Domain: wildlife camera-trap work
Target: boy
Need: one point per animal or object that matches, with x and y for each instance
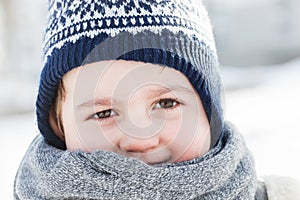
(129, 107)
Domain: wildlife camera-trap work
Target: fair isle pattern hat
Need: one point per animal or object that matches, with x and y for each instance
(172, 33)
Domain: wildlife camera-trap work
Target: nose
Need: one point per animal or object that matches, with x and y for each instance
(138, 145)
(140, 133)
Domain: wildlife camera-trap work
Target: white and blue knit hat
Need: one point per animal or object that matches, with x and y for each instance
(172, 33)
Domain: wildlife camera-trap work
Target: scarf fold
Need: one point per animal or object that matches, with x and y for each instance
(225, 172)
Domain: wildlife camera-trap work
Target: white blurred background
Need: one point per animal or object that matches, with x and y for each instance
(258, 43)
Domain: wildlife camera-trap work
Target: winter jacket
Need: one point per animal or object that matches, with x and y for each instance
(278, 188)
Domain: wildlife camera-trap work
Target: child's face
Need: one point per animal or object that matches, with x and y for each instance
(135, 109)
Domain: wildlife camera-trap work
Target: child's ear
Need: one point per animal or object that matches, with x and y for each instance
(54, 125)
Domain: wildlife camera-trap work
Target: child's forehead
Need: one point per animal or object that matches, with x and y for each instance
(119, 79)
(126, 72)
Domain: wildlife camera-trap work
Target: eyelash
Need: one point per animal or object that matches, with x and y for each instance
(176, 101)
(95, 116)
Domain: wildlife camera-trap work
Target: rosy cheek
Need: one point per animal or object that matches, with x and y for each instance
(186, 138)
(172, 129)
(91, 135)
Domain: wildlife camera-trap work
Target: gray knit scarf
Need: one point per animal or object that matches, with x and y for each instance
(225, 172)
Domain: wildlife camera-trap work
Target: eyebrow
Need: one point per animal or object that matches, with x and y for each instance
(106, 101)
(170, 88)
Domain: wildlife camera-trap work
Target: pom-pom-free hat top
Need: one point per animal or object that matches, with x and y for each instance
(172, 33)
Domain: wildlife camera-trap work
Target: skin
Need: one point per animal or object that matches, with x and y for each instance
(139, 110)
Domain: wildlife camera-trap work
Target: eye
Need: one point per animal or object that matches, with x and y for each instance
(166, 103)
(104, 114)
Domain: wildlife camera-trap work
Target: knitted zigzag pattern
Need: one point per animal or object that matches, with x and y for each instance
(69, 20)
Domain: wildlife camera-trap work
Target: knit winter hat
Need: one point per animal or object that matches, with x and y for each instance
(172, 33)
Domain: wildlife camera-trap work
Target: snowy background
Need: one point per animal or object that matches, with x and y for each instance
(259, 47)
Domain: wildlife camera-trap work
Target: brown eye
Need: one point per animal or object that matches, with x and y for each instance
(166, 103)
(104, 114)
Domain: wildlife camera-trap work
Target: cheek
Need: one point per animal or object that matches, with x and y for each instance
(91, 136)
(87, 135)
(95, 137)
(187, 137)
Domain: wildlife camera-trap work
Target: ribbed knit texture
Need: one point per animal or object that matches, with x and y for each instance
(173, 33)
(226, 172)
